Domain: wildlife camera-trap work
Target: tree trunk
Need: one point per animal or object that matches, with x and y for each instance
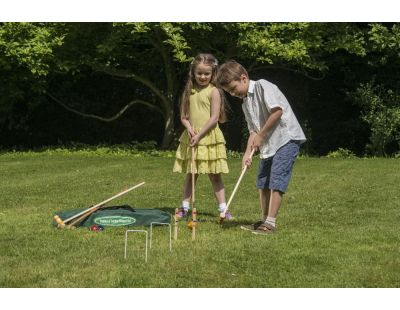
(168, 136)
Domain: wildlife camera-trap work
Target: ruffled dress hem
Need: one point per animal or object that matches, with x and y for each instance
(210, 154)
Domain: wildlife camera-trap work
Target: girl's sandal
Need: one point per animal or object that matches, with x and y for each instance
(264, 229)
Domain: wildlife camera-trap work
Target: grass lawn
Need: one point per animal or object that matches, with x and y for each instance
(338, 226)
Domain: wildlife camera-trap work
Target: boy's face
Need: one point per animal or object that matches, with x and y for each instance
(238, 88)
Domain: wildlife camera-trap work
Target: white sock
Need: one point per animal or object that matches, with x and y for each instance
(185, 205)
(271, 221)
(222, 207)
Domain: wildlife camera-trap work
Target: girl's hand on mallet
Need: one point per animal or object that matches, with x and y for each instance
(194, 140)
(191, 132)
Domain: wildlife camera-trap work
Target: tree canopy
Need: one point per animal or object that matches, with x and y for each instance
(119, 82)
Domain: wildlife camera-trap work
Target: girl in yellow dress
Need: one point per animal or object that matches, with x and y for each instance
(202, 106)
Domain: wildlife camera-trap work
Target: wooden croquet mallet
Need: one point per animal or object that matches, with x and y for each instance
(244, 169)
(100, 205)
(87, 212)
(194, 223)
(82, 217)
(194, 211)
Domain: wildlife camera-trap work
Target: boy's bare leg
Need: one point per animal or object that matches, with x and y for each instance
(275, 204)
(267, 210)
(264, 203)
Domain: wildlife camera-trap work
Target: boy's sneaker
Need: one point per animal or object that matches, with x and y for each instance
(182, 212)
(252, 227)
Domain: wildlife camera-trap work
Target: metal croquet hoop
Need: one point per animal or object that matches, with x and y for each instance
(151, 237)
(170, 233)
(136, 231)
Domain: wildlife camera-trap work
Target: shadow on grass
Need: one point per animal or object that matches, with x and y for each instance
(235, 224)
(206, 217)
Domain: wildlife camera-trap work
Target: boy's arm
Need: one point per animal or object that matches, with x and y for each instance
(250, 142)
(246, 160)
(273, 118)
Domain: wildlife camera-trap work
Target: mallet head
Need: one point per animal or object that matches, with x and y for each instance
(191, 224)
(58, 220)
(221, 217)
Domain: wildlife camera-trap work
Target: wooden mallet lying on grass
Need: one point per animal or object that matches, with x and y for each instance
(86, 213)
(244, 169)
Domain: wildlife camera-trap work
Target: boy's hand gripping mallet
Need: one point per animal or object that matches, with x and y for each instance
(222, 214)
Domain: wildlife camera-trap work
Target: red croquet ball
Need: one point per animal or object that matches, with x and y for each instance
(94, 228)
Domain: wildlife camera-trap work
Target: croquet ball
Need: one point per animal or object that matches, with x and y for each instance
(100, 228)
(94, 228)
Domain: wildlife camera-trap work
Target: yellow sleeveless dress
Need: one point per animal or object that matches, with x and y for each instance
(210, 153)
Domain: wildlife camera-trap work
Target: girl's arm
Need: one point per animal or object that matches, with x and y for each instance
(185, 122)
(213, 120)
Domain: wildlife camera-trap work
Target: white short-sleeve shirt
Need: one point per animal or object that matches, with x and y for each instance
(262, 97)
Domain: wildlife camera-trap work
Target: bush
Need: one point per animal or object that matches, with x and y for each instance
(381, 111)
(136, 149)
(341, 153)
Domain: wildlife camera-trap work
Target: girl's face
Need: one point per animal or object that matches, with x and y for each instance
(203, 75)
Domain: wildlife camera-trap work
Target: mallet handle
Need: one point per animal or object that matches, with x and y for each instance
(193, 178)
(104, 202)
(237, 184)
(194, 223)
(194, 211)
(83, 216)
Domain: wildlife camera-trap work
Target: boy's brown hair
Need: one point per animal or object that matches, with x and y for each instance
(228, 72)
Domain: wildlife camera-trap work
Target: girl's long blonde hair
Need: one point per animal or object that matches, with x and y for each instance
(210, 60)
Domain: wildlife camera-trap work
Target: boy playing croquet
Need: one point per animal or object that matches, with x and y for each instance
(274, 131)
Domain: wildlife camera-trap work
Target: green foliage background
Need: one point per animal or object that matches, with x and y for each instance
(120, 82)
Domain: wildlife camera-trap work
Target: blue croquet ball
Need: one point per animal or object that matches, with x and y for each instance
(100, 227)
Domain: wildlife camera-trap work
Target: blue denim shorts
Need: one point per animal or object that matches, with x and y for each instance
(275, 172)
